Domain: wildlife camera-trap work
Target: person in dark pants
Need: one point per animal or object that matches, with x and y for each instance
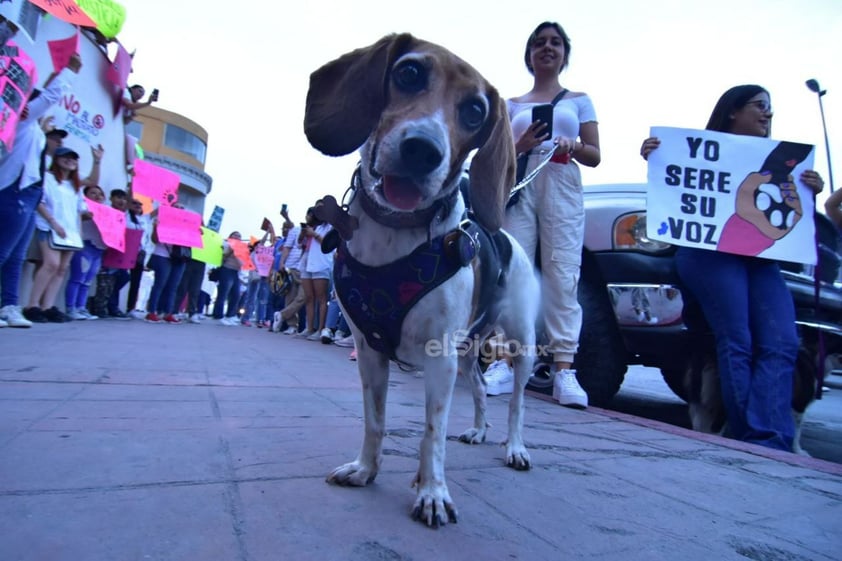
(190, 286)
(229, 285)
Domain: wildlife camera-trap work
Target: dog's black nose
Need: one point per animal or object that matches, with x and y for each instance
(420, 153)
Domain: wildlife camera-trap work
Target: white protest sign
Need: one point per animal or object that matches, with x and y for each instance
(732, 193)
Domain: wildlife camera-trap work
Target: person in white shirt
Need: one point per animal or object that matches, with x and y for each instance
(315, 275)
(59, 220)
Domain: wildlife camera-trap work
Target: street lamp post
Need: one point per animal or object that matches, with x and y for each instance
(813, 85)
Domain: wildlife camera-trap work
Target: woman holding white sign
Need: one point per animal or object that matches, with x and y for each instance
(745, 300)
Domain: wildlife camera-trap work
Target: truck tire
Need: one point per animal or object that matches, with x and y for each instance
(675, 379)
(601, 360)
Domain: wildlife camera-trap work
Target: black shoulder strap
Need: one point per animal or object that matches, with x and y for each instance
(560, 95)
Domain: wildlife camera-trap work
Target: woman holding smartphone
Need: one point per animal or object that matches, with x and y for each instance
(549, 213)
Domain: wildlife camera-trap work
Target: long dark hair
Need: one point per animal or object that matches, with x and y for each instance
(564, 39)
(732, 100)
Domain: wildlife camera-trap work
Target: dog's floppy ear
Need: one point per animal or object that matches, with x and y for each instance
(347, 96)
(493, 166)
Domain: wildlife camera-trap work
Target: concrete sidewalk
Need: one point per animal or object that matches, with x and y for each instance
(124, 441)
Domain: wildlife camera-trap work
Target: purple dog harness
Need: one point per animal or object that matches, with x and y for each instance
(377, 299)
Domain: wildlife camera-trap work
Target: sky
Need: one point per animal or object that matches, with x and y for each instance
(242, 73)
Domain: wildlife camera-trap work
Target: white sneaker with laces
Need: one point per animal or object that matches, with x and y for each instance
(344, 342)
(326, 336)
(290, 331)
(195, 318)
(499, 378)
(88, 315)
(13, 316)
(137, 314)
(314, 336)
(567, 391)
(75, 314)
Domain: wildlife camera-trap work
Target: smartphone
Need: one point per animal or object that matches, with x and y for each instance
(283, 209)
(265, 225)
(544, 113)
(154, 95)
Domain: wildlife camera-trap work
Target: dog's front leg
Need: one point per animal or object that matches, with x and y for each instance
(374, 375)
(517, 456)
(433, 504)
(469, 367)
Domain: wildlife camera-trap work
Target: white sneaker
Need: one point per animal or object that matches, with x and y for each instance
(137, 314)
(290, 331)
(306, 333)
(499, 378)
(326, 336)
(567, 391)
(195, 318)
(314, 336)
(88, 315)
(344, 342)
(339, 335)
(13, 316)
(76, 314)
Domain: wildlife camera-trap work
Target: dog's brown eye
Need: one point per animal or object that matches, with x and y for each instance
(410, 76)
(472, 113)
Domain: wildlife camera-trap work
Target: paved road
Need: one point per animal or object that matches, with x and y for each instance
(645, 394)
(126, 441)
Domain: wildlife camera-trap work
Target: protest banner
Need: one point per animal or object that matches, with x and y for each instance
(16, 82)
(178, 226)
(62, 49)
(111, 224)
(263, 258)
(733, 193)
(114, 259)
(211, 250)
(241, 250)
(155, 182)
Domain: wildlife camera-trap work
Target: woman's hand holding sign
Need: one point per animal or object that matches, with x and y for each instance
(773, 209)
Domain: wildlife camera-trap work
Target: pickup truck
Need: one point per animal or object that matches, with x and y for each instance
(633, 309)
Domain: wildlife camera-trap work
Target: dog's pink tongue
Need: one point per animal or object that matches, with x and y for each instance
(401, 192)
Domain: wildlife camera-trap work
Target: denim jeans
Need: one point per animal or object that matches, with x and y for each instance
(335, 317)
(84, 266)
(228, 290)
(257, 296)
(167, 276)
(752, 316)
(17, 223)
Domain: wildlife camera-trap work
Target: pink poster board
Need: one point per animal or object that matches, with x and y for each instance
(114, 259)
(16, 83)
(155, 182)
(62, 49)
(179, 227)
(241, 250)
(118, 72)
(263, 258)
(111, 224)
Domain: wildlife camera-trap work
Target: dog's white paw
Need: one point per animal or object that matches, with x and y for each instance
(433, 505)
(473, 436)
(353, 474)
(517, 457)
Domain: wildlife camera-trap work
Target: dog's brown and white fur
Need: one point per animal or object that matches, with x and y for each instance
(415, 111)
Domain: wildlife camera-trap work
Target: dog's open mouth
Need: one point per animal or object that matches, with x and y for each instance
(401, 192)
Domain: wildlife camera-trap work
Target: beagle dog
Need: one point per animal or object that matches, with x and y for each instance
(419, 284)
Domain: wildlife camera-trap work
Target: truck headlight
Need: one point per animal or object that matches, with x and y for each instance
(630, 234)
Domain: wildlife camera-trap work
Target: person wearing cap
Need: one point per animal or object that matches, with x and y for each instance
(59, 220)
(55, 138)
(21, 188)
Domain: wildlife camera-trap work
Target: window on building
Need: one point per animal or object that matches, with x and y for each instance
(135, 128)
(184, 141)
